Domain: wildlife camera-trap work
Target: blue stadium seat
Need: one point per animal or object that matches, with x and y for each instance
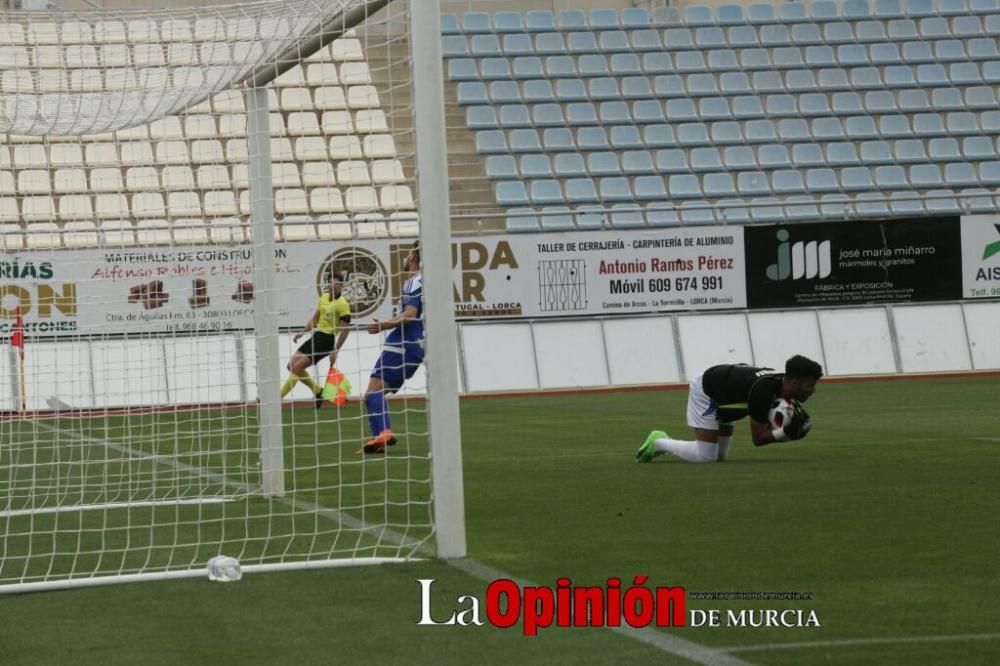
(518, 45)
(719, 185)
(947, 99)
(581, 190)
(511, 193)
(960, 174)
(637, 163)
(866, 78)
(806, 34)
(885, 54)
(837, 33)
(792, 12)
(515, 115)
(528, 67)
(535, 166)
(967, 27)
(672, 160)
(963, 122)
(472, 92)
(505, 92)
(977, 200)
(491, 141)
(558, 139)
(705, 159)
(560, 66)
(572, 19)
(501, 167)
(662, 214)
(725, 133)
(592, 138)
(571, 90)
(505, 22)
(753, 183)
(928, 124)
(983, 48)
(989, 173)
(856, 179)
(906, 203)
(476, 22)
(537, 91)
(910, 151)
(668, 85)
(616, 188)
(827, 129)
(729, 14)
(710, 38)
(659, 136)
(842, 153)
(943, 149)
(449, 24)
(781, 105)
(650, 188)
(689, 61)
(581, 113)
(481, 117)
(547, 191)
(590, 217)
(914, 101)
(980, 97)
(773, 156)
(697, 212)
(742, 36)
(808, 154)
(890, 178)
(569, 165)
(462, 69)
(925, 176)
(625, 64)
(539, 21)
(681, 110)
(950, 50)
(635, 18)
(684, 186)
(556, 218)
(657, 63)
(760, 13)
(822, 180)
(768, 82)
(852, 55)
(820, 56)
(934, 28)
(833, 206)
(760, 131)
(645, 40)
(732, 210)
(484, 45)
(754, 59)
(774, 35)
(454, 45)
(794, 129)
(846, 103)
(978, 148)
(801, 208)
(524, 141)
(547, 115)
(881, 101)
(626, 137)
(603, 88)
(900, 29)
(818, 104)
(800, 81)
(550, 43)
(692, 134)
(734, 83)
(876, 152)
(579, 43)
(739, 157)
(636, 87)
(648, 111)
(888, 9)
(613, 41)
(699, 85)
(522, 220)
(990, 121)
(931, 75)
(603, 164)
(871, 204)
(859, 128)
(712, 108)
(698, 15)
(593, 65)
(788, 181)
(747, 106)
(677, 38)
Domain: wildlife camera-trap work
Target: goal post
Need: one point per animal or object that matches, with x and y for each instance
(178, 188)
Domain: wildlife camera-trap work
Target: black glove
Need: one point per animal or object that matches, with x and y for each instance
(799, 425)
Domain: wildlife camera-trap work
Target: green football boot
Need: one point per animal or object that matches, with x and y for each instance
(647, 451)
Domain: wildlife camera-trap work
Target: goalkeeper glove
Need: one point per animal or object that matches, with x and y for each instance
(797, 427)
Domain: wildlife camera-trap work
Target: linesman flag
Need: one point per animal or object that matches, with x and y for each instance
(17, 336)
(337, 387)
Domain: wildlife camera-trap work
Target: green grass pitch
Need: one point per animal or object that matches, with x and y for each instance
(886, 514)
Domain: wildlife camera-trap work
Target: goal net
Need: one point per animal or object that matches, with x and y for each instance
(177, 189)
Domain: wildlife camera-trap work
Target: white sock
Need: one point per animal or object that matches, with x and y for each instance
(690, 451)
(723, 447)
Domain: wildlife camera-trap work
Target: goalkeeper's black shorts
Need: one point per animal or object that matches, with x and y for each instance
(319, 346)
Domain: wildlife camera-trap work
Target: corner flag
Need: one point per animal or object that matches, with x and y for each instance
(337, 386)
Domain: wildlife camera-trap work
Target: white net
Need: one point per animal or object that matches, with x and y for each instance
(131, 430)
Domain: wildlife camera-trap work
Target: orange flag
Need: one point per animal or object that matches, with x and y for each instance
(337, 386)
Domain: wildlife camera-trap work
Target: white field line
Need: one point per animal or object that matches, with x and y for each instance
(847, 642)
(657, 639)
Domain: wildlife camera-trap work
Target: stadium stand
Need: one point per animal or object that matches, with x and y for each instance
(752, 113)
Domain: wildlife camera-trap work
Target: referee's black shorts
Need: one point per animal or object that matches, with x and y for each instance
(319, 346)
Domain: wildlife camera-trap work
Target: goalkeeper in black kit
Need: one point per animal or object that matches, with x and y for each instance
(724, 394)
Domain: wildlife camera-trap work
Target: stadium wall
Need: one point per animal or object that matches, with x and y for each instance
(534, 354)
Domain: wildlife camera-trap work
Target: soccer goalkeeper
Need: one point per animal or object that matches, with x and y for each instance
(332, 311)
(724, 394)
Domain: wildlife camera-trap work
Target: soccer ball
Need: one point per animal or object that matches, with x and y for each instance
(781, 412)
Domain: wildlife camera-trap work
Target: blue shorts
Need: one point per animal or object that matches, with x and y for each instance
(394, 368)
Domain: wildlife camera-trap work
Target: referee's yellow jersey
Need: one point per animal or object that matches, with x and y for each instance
(331, 311)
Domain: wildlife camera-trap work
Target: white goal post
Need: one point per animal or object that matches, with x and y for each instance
(177, 189)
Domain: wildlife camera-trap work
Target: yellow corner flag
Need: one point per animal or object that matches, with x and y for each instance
(337, 386)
